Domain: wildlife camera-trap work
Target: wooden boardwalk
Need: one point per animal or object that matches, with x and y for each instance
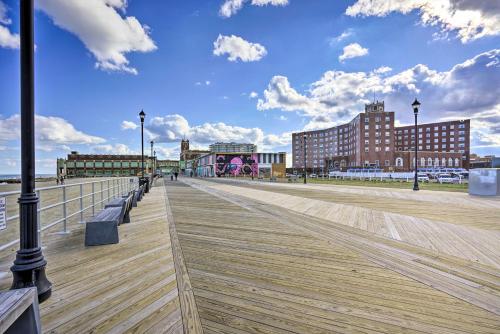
(260, 268)
(468, 229)
(127, 287)
(212, 257)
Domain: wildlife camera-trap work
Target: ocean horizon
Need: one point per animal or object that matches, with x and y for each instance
(18, 176)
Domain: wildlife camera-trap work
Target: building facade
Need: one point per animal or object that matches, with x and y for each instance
(232, 148)
(372, 140)
(167, 166)
(95, 165)
(240, 164)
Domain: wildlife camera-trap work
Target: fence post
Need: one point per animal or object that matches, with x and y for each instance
(102, 194)
(64, 209)
(93, 198)
(107, 199)
(81, 203)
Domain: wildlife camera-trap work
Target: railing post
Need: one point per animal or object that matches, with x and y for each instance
(64, 209)
(93, 198)
(102, 194)
(81, 203)
(107, 199)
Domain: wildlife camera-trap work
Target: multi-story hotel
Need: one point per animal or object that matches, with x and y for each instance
(372, 140)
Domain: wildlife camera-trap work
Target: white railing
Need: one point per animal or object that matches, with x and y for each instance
(75, 201)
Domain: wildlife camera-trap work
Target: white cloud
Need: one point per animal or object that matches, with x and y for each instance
(207, 82)
(283, 118)
(383, 70)
(128, 125)
(253, 95)
(344, 35)
(353, 50)
(102, 27)
(173, 128)
(231, 7)
(468, 90)
(471, 19)
(8, 39)
(113, 149)
(236, 47)
(168, 153)
(50, 132)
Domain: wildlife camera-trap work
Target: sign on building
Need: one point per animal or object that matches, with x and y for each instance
(3, 213)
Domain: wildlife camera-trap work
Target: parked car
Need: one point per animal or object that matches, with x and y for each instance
(423, 177)
(313, 176)
(446, 178)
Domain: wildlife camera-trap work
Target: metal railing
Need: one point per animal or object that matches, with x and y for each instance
(75, 200)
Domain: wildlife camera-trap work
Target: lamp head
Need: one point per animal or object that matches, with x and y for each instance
(142, 115)
(415, 106)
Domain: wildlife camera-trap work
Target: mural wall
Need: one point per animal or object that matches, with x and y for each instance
(236, 164)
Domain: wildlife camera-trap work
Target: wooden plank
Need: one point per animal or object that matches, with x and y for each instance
(190, 317)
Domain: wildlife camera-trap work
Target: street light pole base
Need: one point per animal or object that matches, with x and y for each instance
(29, 270)
(415, 187)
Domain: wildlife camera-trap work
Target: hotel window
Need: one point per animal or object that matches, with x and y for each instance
(420, 141)
(377, 163)
(427, 135)
(452, 145)
(452, 127)
(367, 149)
(419, 135)
(387, 126)
(443, 127)
(387, 141)
(436, 140)
(427, 129)
(377, 149)
(461, 139)
(387, 118)
(420, 147)
(443, 134)
(461, 126)
(387, 148)
(452, 133)
(377, 119)
(428, 147)
(436, 128)
(461, 133)
(367, 142)
(443, 146)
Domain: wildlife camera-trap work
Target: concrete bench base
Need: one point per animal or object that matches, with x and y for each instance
(19, 312)
(101, 233)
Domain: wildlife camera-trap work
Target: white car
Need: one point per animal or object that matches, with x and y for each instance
(313, 176)
(445, 178)
(422, 177)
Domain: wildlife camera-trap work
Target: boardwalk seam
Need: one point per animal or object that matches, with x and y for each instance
(190, 317)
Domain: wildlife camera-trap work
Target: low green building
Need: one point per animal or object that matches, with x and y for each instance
(97, 165)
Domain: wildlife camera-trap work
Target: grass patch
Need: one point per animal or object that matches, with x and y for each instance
(393, 184)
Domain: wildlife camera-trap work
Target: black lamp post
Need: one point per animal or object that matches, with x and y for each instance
(305, 159)
(29, 266)
(253, 162)
(142, 115)
(415, 106)
(152, 163)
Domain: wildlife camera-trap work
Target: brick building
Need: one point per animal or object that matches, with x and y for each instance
(372, 140)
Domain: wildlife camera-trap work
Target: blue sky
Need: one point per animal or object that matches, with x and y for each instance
(244, 70)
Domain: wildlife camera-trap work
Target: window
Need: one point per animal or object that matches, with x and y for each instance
(387, 148)
(443, 162)
(429, 162)
(443, 127)
(461, 126)
(367, 149)
(387, 118)
(422, 162)
(436, 162)
(387, 163)
(428, 147)
(399, 162)
(457, 162)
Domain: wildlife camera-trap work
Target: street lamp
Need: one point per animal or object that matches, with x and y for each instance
(305, 165)
(152, 143)
(253, 161)
(29, 266)
(415, 106)
(142, 115)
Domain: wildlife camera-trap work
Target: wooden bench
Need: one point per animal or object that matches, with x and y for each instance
(125, 203)
(102, 229)
(19, 312)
